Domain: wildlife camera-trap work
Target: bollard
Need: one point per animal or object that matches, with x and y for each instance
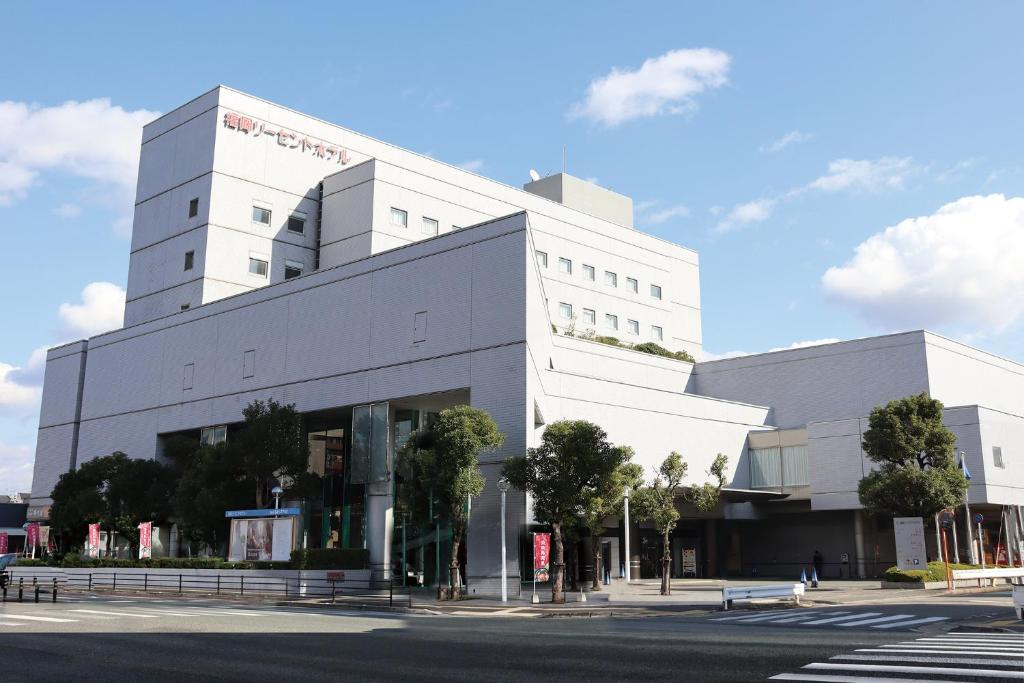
(179, 584)
(54, 594)
(37, 594)
(241, 585)
(218, 584)
(21, 589)
(90, 581)
(115, 582)
(145, 582)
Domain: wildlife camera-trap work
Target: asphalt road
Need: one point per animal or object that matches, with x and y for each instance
(114, 639)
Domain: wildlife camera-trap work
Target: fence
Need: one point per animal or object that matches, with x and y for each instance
(340, 590)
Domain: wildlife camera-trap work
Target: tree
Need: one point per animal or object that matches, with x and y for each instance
(917, 474)
(273, 445)
(657, 503)
(446, 459)
(573, 464)
(212, 480)
(605, 502)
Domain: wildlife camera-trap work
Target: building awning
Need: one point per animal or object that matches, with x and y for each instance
(730, 495)
(12, 530)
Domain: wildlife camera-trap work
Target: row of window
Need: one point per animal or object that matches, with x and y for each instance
(262, 215)
(428, 226)
(611, 321)
(260, 267)
(590, 274)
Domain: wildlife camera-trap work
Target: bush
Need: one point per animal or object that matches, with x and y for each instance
(75, 562)
(936, 572)
(331, 558)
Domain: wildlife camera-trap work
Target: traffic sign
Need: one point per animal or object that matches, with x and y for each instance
(947, 519)
(979, 518)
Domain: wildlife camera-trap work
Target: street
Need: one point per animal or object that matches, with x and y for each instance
(112, 638)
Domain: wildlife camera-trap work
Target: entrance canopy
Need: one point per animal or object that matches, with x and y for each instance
(731, 495)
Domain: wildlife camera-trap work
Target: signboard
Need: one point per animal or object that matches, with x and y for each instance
(145, 540)
(262, 539)
(44, 536)
(910, 548)
(283, 512)
(286, 138)
(3, 543)
(947, 519)
(94, 540)
(32, 535)
(542, 557)
(335, 576)
(689, 561)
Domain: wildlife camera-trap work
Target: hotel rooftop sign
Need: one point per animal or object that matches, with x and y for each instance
(286, 138)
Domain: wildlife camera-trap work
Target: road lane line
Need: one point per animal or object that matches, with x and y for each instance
(10, 623)
(825, 678)
(934, 671)
(53, 620)
(965, 646)
(114, 614)
(930, 659)
(877, 620)
(912, 622)
(759, 615)
(944, 651)
(835, 619)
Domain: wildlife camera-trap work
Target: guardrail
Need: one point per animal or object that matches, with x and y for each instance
(336, 588)
(35, 587)
(789, 590)
(982, 574)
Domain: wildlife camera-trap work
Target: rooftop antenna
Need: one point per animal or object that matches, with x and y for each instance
(534, 176)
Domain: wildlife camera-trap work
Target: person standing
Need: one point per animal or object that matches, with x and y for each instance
(819, 562)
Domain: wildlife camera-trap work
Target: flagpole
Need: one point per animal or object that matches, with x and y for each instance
(967, 509)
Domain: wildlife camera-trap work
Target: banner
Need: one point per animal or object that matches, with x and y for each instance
(145, 540)
(542, 557)
(3, 543)
(44, 537)
(689, 562)
(910, 548)
(94, 540)
(32, 535)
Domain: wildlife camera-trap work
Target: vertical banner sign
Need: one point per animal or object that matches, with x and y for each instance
(33, 535)
(44, 537)
(145, 540)
(3, 543)
(910, 548)
(94, 540)
(542, 557)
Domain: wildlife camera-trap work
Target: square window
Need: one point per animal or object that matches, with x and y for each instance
(211, 436)
(565, 310)
(260, 215)
(257, 266)
(656, 333)
(185, 307)
(611, 279)
(429, 226)
(292, 269)
(193, 207)
(399, 217)
(632, 285)
(589, 316)
(542, 259)
(997, 457)
(565, 266)
(190, 258)
(296, 224)
(633, 327)
(611, 321)
(588, 272)
(656, 291)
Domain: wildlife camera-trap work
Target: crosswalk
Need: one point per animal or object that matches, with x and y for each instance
(833, 619)
(959, 656)
(111, 610)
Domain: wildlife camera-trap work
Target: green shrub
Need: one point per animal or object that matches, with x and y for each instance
(29, 562)
(659, 350)
(936, 572)
(610, 341)
(331, 558)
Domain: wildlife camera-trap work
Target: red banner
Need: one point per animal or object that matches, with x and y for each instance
(3, 543)
(541, 557)
(145, 540)
(32, 533)
(94, 540)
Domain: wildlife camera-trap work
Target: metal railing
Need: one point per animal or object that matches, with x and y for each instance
(35, 587)
(366, 592)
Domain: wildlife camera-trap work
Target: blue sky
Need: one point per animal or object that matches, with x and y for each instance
(843, 169)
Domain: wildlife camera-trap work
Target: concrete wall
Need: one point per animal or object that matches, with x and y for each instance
(57, 439)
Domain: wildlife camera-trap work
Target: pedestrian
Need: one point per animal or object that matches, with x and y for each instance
(819, 562)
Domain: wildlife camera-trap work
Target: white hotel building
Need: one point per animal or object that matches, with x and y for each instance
(275, 255)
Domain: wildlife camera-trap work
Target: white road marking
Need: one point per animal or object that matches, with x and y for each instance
(877, 620)
(53, 620)
(10, 623)
(930, 659)
(851, 616)
(944, 651)
(965, 646)
(943, 671)
(912, 622)
(825, 678)
(759, 615)
(115, 614)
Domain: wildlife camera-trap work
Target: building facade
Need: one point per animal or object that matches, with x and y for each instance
(275, 255)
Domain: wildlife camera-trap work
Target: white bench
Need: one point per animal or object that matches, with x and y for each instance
(788, 590)
(1018, 601)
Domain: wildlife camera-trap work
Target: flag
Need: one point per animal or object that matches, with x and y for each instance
(963, 467)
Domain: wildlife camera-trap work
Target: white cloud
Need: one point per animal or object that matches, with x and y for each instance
(101, 310)
(960, 267)
(743, 214)
(16, 468)
(667, 214)
(791, 138)
(15, 395)
(871, 176)
(95, 140)
(68, 211)
(473, 165)
(804, 344)
(662, 85)
(706, 356)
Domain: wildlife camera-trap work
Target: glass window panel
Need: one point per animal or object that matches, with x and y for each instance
(565, 266)
(379, 463)
(260, 215)
(589, 316)
(296, 224)
(632, 285)
(795, 469)
(542, 259)
(257, 267)
(611, 321)
(765, 467)
(633, 326)
(656, 291)
(588, 272)
(429, 226)
(399, 217)
(565, 310)
(359, 472)
(656, 333)
(611, 279)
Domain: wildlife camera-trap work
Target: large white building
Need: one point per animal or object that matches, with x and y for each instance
(275, 255)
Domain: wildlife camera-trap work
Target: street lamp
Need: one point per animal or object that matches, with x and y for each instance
(625, 500)
(503, 486)
(276, 492)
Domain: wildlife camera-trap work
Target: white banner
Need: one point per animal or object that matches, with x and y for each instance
(910, 548)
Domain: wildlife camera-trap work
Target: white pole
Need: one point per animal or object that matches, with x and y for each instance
(626, 522)
(970, 535)
(956, 544)
(981, 550)
(504, 571)
(938, 538)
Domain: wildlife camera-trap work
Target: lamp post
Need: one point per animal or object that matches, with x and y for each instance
(625, 500)
(276, 492)
(503, 487)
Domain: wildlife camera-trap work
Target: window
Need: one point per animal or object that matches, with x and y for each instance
(775, 467)
(997, 457)
(211, 436)
(399, 218)
(633, 327)
(589, 316)
(260, 215)
(185, 307)
(611, 279)
(565, 310)
(292, 269)
(429, 226)
(611, 321)
(248, 363)
(588, 272)
(190, 258)
(656, 291)
(297, 223)
(257, 267)
(419, 327)
(193, 207)
(189, 375)
(656, 333)
(565, 266)
(632, 285)
(542, 259)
